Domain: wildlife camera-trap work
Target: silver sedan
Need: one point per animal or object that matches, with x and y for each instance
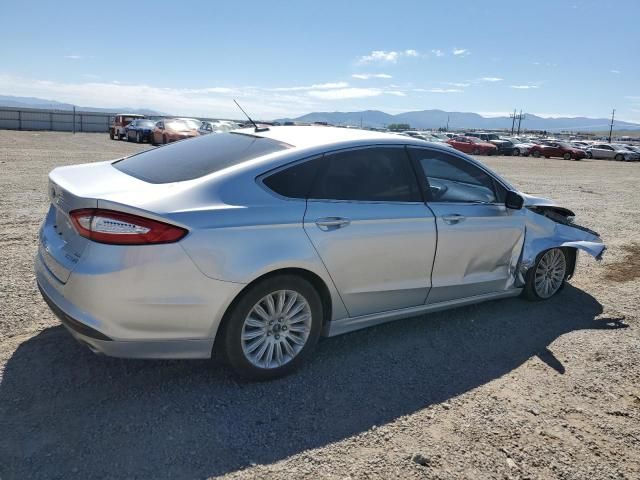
(255, 243)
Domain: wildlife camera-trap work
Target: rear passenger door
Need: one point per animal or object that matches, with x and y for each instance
(368, 222)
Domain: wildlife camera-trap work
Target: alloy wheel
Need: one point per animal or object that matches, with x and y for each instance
(550, 273)
(276, 329)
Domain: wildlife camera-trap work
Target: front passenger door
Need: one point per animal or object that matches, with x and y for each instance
(479, 239)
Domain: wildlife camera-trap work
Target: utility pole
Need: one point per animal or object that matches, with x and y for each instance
(613, 114)
(447, 123)
(513, 121)
(520, 118)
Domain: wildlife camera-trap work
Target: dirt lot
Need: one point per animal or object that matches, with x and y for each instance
(506, 389)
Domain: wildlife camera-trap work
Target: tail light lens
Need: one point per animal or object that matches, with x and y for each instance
(118, 228)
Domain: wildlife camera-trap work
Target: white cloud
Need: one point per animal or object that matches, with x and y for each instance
(458, 84)
(437, 53)
(367, 76)
(461, 52)
(320, 86)
(382, 56)
(396, 93)
(444, 90)
(345, 93)
(523, 87)
(74, 57)
(616, 71)
(491, 79)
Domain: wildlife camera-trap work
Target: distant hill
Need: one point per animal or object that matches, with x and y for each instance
(431, 119)
(33, 102)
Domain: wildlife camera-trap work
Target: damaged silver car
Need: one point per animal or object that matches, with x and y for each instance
(256, 242)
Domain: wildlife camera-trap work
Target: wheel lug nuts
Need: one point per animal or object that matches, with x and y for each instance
(277, 337)
(284, 327)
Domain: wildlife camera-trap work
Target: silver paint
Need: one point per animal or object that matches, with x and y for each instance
(378, 261)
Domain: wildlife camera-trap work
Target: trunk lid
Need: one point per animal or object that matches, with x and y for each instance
(97, 185)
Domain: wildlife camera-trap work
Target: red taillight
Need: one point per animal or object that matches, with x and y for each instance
(118, 228)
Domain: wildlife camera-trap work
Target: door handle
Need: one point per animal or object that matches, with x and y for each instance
(331, 223)
(453, 219)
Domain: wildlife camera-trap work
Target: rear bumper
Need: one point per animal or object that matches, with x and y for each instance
(78, 324)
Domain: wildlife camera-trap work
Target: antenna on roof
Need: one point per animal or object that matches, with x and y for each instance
(257, 128)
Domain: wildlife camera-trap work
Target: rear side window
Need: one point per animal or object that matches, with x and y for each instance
(197, 157)
(294, 181)
(380, 174)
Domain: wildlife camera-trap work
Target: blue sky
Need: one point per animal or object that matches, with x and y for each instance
(285, 58)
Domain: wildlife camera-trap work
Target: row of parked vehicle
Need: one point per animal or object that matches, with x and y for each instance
(138, 128)
(481, 143)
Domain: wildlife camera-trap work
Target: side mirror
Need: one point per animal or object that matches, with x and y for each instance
(513, 201)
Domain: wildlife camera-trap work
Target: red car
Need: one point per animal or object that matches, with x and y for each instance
(473, 145)
(548, 149)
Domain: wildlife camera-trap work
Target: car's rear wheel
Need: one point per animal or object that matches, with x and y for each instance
(111, 135)
(164, 139)
(567, 156)
(589, 154)
(536, 153)
(619, 157)
(272, 328)
(475, 151)
(547, 276)
(139, 137)
(516, 152)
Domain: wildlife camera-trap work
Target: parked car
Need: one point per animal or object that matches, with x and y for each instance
(167, 131)
(522, 146)
(216, 126)
(257, 243)
(505, 147)
(611, 151)
(487, 137)
(120, 121)
(140, 130)
(552, 148)
(473, 145)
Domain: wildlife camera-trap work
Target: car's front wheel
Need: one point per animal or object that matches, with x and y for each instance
(516, 152)
(567, 156)
(536, 153)
(273, 327)
(547, 276)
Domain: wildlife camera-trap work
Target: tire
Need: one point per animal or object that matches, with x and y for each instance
(111, 135)
(266, 331)
(164, 139)
(619, 157)
(547, 156)
(475, 151)
(567, 156)
(152, 139)
(536, 154)
(589, 154)
(128, 137)
(555, 262)
(138, 137)
(515, 152)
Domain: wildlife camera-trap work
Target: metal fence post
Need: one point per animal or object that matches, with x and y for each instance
(19, 119)
(81, 122)
(74, 119)
(51, 121)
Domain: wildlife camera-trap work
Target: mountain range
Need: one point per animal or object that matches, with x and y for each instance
(432, 119)
(33, 102)
(422, 119)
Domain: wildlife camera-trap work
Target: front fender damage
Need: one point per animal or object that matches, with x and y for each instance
(550, 226)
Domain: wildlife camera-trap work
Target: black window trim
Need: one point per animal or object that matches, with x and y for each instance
(426, 192)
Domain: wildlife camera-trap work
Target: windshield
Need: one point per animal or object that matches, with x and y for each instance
(196, 158)
(145, 123)
(178, 125)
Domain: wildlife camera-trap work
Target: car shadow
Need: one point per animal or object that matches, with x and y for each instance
(66, 412)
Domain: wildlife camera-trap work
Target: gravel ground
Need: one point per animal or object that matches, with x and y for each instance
(506, 389)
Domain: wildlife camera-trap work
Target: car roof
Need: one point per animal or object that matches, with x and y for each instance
(317, 136)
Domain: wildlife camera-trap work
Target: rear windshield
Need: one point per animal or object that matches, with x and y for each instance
(197, 157)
